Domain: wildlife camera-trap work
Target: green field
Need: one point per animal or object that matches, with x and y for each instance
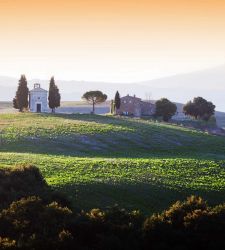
(99, 161)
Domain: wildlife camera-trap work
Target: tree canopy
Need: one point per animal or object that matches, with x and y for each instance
(199, 108)
(165, 109)
(94, 97)
(21, 99)
(53, 96)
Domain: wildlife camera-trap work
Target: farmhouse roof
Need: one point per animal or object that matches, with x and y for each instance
(138, 99)
(131, 97)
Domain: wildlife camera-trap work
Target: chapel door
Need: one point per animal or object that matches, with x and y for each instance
(38, 108)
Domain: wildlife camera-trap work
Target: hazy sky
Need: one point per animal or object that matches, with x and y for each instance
(110, 40)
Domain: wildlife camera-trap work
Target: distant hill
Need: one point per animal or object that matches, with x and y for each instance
(208, 83)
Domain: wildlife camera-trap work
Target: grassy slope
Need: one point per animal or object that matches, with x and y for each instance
(99, 161)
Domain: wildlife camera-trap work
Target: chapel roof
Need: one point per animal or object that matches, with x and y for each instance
(37, 88)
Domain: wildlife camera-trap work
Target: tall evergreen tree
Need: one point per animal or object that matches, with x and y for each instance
(117, 101)
(53, 95)
(15, 105)
(21, 99)
(112, 107)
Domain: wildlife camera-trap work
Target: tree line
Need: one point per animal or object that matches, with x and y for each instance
(21, 100)
(199, 108)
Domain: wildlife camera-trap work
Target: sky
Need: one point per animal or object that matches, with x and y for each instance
(110, 40)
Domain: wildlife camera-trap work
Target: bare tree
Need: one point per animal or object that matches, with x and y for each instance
(148, 96)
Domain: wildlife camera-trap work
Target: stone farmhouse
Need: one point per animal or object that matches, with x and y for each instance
(38, 99)
(133, 106)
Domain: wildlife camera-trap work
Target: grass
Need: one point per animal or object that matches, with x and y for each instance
(99, 161)
(87, 135)
(6, 107)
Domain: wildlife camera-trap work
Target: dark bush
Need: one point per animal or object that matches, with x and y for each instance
(113, 228)
(23, 181)
(38, 222)
(186, 225)
(33, 225)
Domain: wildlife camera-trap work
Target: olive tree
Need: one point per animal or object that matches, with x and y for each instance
(199, 108)
(165, 109)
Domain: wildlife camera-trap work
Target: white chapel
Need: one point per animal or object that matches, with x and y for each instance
(38, 99)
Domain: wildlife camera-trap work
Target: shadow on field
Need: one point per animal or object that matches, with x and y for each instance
(148, 198)
(123, 121)
(138, 139)
(51, 148)
(56, 149)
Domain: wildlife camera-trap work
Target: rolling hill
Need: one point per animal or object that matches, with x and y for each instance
(98, 161)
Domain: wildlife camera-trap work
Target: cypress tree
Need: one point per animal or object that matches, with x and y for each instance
(21, 99)
(117, 100)
(112, 108)
(15, 106)
(53, 95)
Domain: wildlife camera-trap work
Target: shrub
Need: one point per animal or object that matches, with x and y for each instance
(31, 223)
(36, 223)
(186, 225)
(23, 181)
(6, 243)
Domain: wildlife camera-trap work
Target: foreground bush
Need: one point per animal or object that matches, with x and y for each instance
(30, 224)
(23, 181)
(186, 225)
(39, 222)
(113, 228)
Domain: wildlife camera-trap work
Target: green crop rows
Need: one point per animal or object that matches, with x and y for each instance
(99, 161)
